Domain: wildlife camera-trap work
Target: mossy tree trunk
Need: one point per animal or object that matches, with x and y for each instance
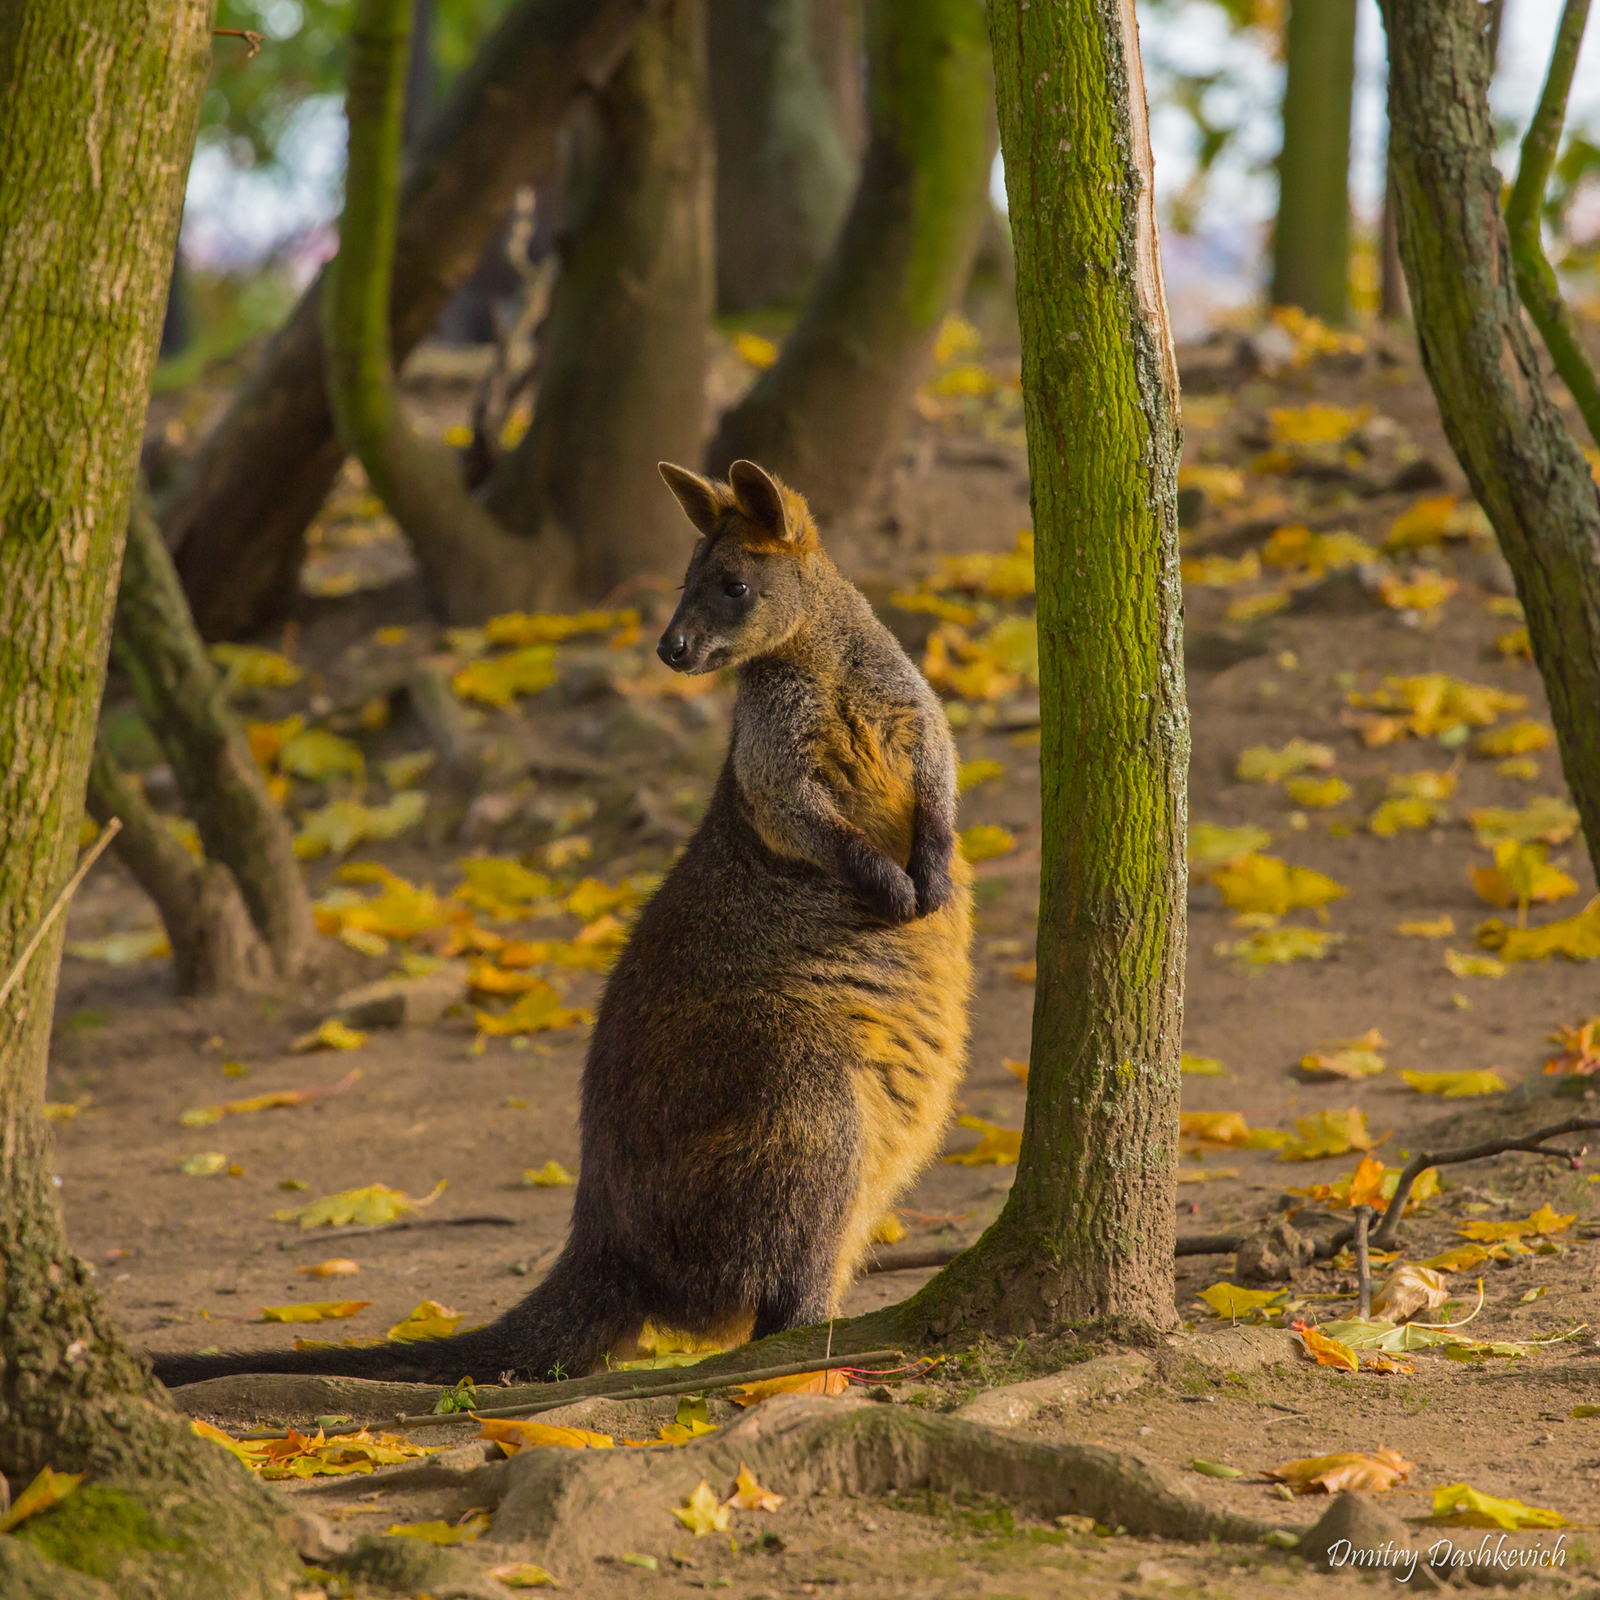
(99, 101)
(1311, 238)
(623, 351)
(1525, 467)
(785, 169)
(826, 414)
(181, 695)
(1088, 1230)
(236, 516)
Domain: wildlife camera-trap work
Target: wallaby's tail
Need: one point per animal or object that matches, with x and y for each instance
(561, 1329)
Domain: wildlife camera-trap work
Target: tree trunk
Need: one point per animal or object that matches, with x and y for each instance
(1088, 1229)
(181, 696)
(785, 170)
(827, 412)
(236, 518)
(1525, 468)
(99, 101)
(836, 29)
(622, 361)
(1311, 240)
(215, 948)
(1392, 304)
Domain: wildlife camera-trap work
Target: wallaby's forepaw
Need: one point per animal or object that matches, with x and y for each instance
(929, 870)
(880, 882)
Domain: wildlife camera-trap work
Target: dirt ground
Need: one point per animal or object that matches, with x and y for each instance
(187, 1262)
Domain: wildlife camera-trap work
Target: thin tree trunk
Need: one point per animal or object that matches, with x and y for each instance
(236, 517)
(181, 695)
(215, 948)
(1525, 467)
(785, 170)
(1392, 303)
(836, 30)
(622, 359)
(826, 414)
(1088, 1229)
(99, 101)
(1311, 240)
(471, 566)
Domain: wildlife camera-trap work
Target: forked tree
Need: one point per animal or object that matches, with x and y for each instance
(99, 100)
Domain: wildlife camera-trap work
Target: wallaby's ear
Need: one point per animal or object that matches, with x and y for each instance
(698, 496)
(760, 500)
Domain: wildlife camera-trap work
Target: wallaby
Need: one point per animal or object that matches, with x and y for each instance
(780, 1041)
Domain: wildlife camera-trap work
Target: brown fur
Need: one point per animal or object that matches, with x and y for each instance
(778, 1047)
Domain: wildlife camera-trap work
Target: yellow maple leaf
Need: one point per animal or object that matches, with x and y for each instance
(314, 1311)
(998, 1147)
(1371, 1184)
(1262, 764)
(329, 1035)
(1426, 927)
(247, 666)
(1455, 1085)
(971, 773)
(1229, 1129)
(1210, 846)
(1314, 424)
(1317, 794)
(494, 881)
(1274, 946)
(1191, 1066)
(1458, 1505)
(1372, 1473)
(49, 1488)
(748, 1495)
(204, 1165)
(342, 824)
(831, 1381)
(593, 899)
(552, 627)
(1524, 767)
(1401, 814)
(552, 1175)
(1002, 577)
(430, 1320)
(983, 841)
(1461, 1259)
(1407, 1290)
(498, 680)
(1576, 937)
(1349, 1061)
(1328, 1133)
(1521, 876)
(702, 1513)
(1426, 591)
(957, 338)
(473, 1526)
(514, 1433)
(1546, 817)
(1222, 484)
(1218, 572)
(1426, 784)
(522, 1575)
(318, 755)
(1265, 885)
(1466, 966)
(538, 1011)
(1515, 739)
(1542, 1223)
(371, 1205)
(122, 949)
(1247, 608)
(1422, 526)
(1226, 1300)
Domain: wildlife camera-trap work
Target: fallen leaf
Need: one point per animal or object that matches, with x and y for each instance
(247, 666)
(1435, 703)
(474, 1526)
(1002, 577)
(1372, 1184)
(1211, 846)
(889, 1229)
(1381, 1363)
(1314, 424)
(1324, 1351)
(1247, 608)
(1580, 1049)
(748, 1495)
(971, 773)
(629, 1558)
(1465, 966)
(1317, 794)
(1461, 1259)
(1545, 817)
(371, 1205)
(405, 771)
(1576, 937)
(1216, 1469)
(1219, 572)
(497, 681)
(552, 1175)
(1422, 526)
(1227, 1300)
(998, 1147)
(1524, 767)
(1425, 591)
(1427, 927)
(314, 1456)
(430, 1320)
(1206, 1174)
(314, 1311)
(49, 1488)
(538, 1011)
(1296, 549)
(1192, 1066)
(513, 1434)
(1458, 1505)
(831, 1381)
(1265, 885)
(702, 1514)
(1348, 1058)
(552, 627)
(522, 1575)
(1515, 739)
(1229, 1129)
(1328, 1133)
(1402, 814)
(333, 1267)
(1262, 764)
(1542, 1222)
(277, 1099)
(1372, 1473)
(501, 886)
(316, 754)
(122, 949)
(203, 1166)
(342, 824)
(592, 899)
(983, 841)
(1521, 876)
(1455, 1085)
(1024, 972)
(1274, 946)
(329, 1035)
(65, 1110)
(1407, 1290)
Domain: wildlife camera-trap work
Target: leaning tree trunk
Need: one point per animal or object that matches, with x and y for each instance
(826, 414)
(99, 101)
(1088, 1229)
(622, 362)
(1311, 239)
(181, 695)
(785, 170)
(237, 516)
(1525, 468)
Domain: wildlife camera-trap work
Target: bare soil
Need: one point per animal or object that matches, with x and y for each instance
(187, 1262)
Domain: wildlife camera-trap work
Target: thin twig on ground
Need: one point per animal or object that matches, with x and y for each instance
(1363, 1264)
(410, 1225)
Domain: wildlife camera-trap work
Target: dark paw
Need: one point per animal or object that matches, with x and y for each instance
(880, 882)
(930, 873)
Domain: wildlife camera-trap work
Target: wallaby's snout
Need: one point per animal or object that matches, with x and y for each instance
(674, 647)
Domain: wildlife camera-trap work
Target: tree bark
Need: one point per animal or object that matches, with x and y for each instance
(1525, 467)
(827, 412)
(237, 516)
(785, 170)
(215, 948)
(1311, 240)
(181, 696)
(99, 101)
(1536, 278)
(622, 361)
(1088, 1230)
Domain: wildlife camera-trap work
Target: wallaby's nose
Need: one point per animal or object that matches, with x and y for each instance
(673, 648)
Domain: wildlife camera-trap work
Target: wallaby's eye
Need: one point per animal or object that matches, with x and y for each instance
(735, 589)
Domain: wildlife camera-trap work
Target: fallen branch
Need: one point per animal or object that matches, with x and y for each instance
(57, 906)
(1209, 1244)
(487, 1219)
(912, 1260)
(1363, 1264)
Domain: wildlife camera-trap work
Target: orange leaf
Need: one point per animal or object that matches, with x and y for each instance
(1324, 1351)
(513, 1434)
(833, 1381)
(1374, 1473)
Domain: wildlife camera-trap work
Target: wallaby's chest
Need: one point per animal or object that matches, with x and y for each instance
(864, 757)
